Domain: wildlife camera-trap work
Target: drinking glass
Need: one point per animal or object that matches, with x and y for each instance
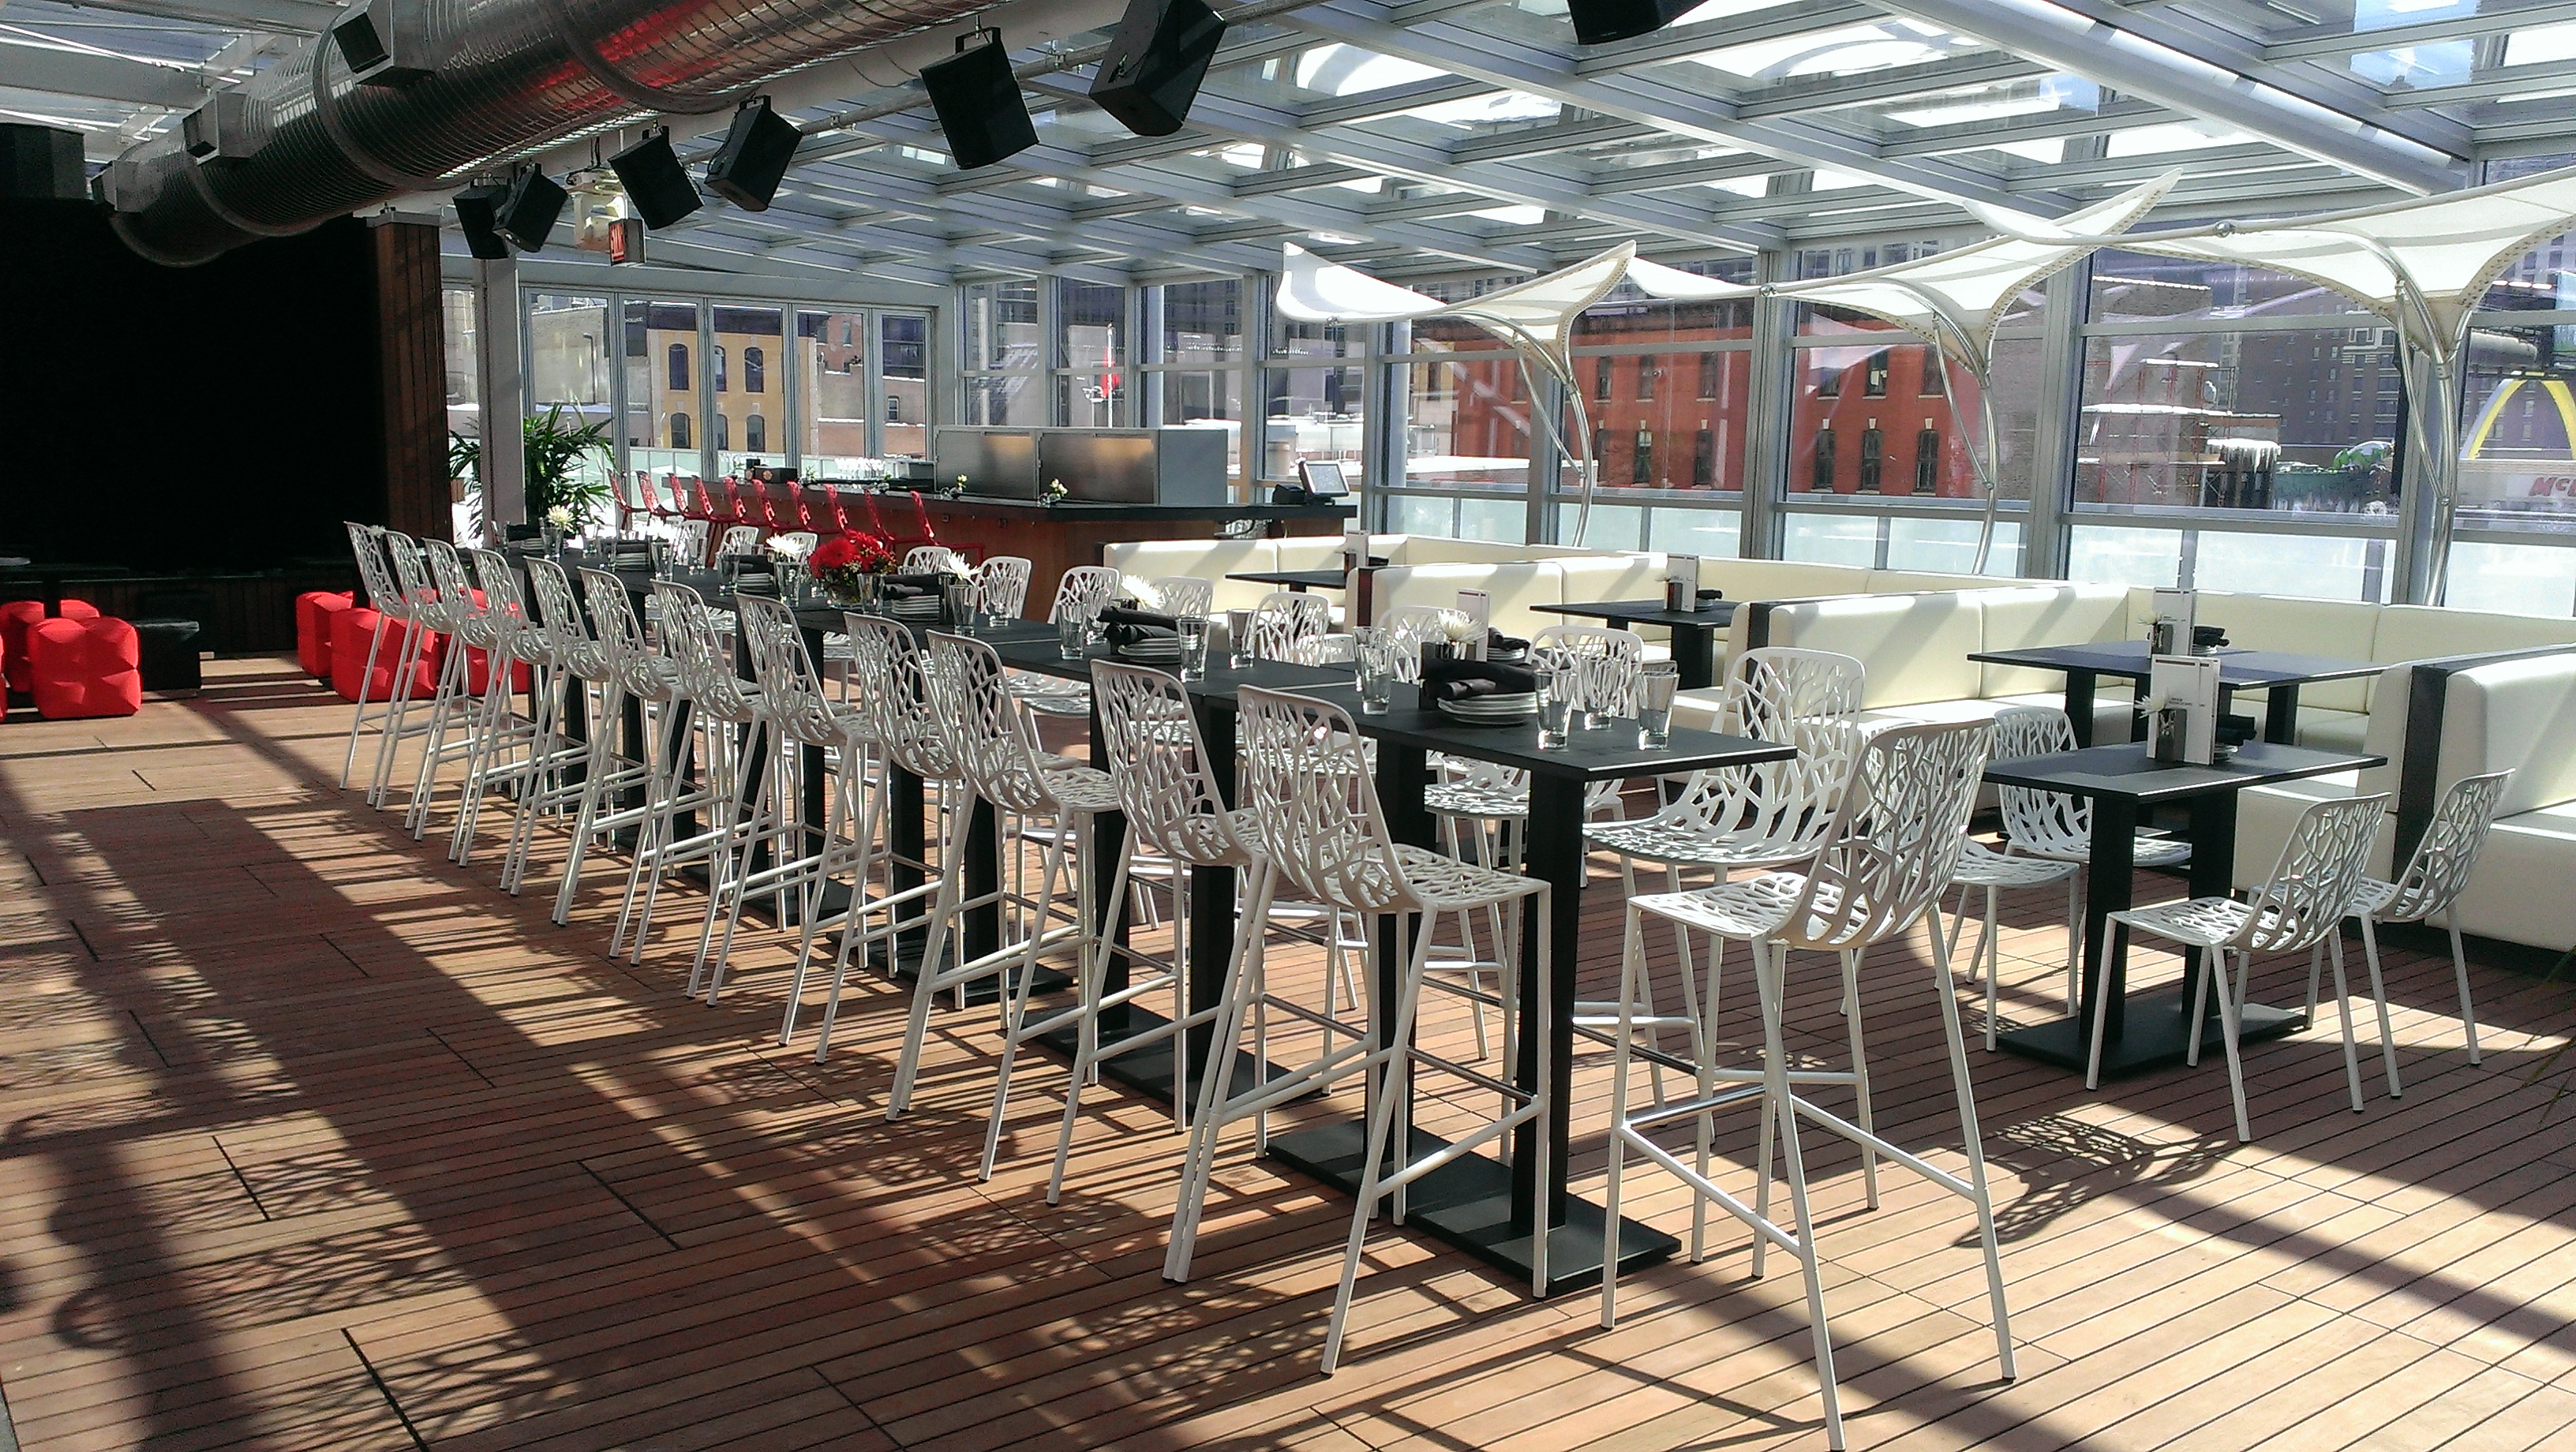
(959, 595)
(1193, 630)
(1557, 687)
(1072, 634)
(1373, 656)
(1655, 687)
(1238, 638)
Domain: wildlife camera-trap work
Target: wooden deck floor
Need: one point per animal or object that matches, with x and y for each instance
(313, 1140)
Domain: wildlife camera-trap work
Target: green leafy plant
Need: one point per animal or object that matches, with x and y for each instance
(554, 448)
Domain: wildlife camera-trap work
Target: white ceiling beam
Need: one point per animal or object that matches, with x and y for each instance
(283, 17)
(57, 72)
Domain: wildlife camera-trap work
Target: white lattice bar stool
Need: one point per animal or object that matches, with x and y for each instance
(508, 738)
(633, 673)
(456, 705)
(1083, 591)
(574, 668)
(392, 610)
(1321, 834)
(2049, 816)
(1892, 847)
(422, 616)
(2433, 880)
(2301, 908)
(998, 755)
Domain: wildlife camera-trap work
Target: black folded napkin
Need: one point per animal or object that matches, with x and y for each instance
(1124, 628)
(1497, 643)
(1708, 598)
(1458, 680)
(905, 587)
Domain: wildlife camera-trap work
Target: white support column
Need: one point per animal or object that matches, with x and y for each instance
(1766, 416)
(2046, 539)
(501, 393)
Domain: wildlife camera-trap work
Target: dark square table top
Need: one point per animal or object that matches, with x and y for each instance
(1295, 579)
(2237, 668)
(2126, 770)
(1649, 612)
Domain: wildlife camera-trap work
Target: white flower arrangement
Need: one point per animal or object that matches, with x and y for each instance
(561, 517)
(957, 567)
(786, 546)
(1143, 593)
(1459, 627)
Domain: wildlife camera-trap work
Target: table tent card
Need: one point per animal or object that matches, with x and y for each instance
(2183, 696)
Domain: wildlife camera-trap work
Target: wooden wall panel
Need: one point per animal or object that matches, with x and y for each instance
(411, 351)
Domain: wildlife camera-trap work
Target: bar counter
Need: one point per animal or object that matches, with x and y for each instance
(1055, 538)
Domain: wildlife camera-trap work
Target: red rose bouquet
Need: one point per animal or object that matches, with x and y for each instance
(840, 563)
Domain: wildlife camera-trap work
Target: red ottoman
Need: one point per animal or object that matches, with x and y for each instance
(313, 612)
(17, 617)
(350, 631)
(84, 667)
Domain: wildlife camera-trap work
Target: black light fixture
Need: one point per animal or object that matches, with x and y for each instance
(529, 209)
(1598, 22)
(978, 101)
(655, 181)
(746, 170)
(475, 207)
(1155, 63)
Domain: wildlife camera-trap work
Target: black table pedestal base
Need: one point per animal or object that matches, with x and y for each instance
(1467, 1203)
(2154, 1037)
(1148, 1070)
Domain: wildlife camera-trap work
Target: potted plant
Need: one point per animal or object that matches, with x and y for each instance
(553, 450)
(847, 566)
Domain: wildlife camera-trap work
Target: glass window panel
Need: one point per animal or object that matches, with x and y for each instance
(1949, 546)
(2302, 420)
(1430, 514)
(1469, 424)
(1002, 325)
(1870, 417)
(1832, 539)
(2325, 567)
(2134, 285)
(1322, 340)
(832, 371)
(2522, 578)
(464, 374)
(1671, 420)
(1311, 413)
(1449, 335)
(1614, 527)
(1627, 316)
(741, 333)
(1504, 521)
(661, 432)
(2518, 432)
(1210, 398)
(2116, 555)
(1202, 322)
(1005, 398)
(1717, 534)
(903, 382)
(1095, 399)
(1091, 319)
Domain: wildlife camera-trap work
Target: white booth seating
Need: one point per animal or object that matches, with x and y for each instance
(1214, 559)
(2518, 714)
(2336, 713)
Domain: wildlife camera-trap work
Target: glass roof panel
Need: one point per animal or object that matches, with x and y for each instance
(1845, 51)
(1347, 70)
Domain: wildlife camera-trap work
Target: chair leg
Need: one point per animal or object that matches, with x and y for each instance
(1206, 1123)
(2230, 1028)
(2343, 1010)
(2074, 941)
(1860, 1064)
(1976, 1148)
(2468, 1015)
(2379, 996)
(358, 722)
(1390, 1047)
(908, 1066)
(1769, 961)
(1016, 986)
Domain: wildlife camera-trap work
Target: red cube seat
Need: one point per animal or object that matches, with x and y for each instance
(313, 612)
(84, 667)
(17, 617)
(351, 631)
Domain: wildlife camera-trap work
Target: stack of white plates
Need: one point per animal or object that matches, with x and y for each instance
(1165, 647)
(917, 607)
(1492, 708)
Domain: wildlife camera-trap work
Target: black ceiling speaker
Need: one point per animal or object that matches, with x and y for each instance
(978, 101)
(746, 169)
(474, 208)
(41, 164)
(1598, 22)
(1155, 63)
(528, 211)
(655, 181)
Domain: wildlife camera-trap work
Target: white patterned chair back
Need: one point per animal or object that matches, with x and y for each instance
(2057, 823)
(800, 540)
(1896, 836)
(692, 640)
(1085, 586)
(1410, 627)
(895, 693)
(505, 605)
(928, 559)
(739, 539)
(689, 541)
(1772, 686)
(2439, 871)
(1314, 803)
(382, 595)
(2312, 888)
(465, 616)
(791, 688)
(1002, 586)
(989, 734)
(1284, 621)
(1184, 594)
(411, 581)
(558, 623)
(631, 662)
(1591, 640)
(1159, 763)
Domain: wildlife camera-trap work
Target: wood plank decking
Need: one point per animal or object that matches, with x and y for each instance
(313, 1140)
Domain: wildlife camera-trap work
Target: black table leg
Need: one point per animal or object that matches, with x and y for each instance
(2281, 715)
(906, 805)
(981, 932)
(1695, 652)
(2066, 1042)
(2079, 706)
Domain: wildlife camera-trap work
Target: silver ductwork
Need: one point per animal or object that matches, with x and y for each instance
(511, 77)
